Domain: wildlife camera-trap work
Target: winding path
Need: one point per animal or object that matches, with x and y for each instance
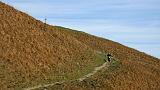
(79, 79)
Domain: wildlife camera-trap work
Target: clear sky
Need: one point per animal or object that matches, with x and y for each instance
(135, 23)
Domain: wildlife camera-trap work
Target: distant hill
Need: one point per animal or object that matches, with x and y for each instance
(34, 53)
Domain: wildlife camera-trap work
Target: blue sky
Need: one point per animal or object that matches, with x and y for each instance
(135, 23)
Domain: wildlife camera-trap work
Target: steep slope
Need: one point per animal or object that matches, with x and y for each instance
(33, 53)
(137, 70)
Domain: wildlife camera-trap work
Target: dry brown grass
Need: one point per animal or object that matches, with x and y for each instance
(30, 55)
(138, 70)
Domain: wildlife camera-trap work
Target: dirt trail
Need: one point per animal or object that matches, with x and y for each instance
(79, 79)
(94, 72)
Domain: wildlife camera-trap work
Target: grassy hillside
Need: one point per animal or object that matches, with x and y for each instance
(137, 70)
(33, 53)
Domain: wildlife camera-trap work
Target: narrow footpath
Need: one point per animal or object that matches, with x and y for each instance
(105, 65)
